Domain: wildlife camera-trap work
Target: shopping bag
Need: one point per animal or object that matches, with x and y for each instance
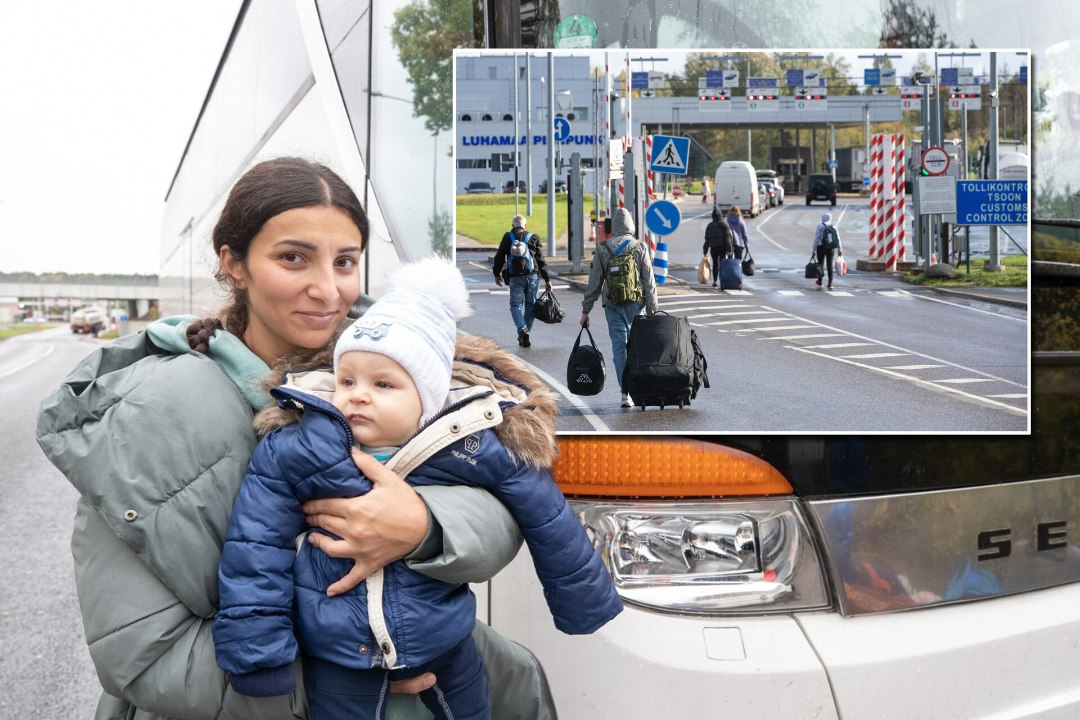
(547, 308)
(704, 271)
(748, 264)
(585, 369)
(843, 266)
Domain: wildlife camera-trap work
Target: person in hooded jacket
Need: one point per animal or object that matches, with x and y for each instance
(718, 243)
(620, 316)
(392, 396)
(740, 240)
(155, 432)
(827, 246)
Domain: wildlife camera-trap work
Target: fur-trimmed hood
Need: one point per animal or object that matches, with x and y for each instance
(481, 369)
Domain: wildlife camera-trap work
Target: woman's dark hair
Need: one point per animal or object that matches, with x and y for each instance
(263, 192)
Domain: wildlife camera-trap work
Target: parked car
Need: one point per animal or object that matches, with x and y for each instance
(768, 196)
(479, 186)
(560, 185)
(776, 190)
(509, 186)
(820, 186)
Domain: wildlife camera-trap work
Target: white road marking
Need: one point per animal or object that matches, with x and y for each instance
(47, 347)
(918, 367)
(586, 411)
(840, 345)
(873, 356)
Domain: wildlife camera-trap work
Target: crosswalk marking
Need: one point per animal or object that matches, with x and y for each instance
(787, 327)
(913, 367)
(874, 356)
(749, 320)
(803, 337)
(750, 313)
(732, 314)
(840, 345)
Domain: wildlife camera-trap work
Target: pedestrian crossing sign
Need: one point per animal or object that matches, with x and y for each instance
(669, 154)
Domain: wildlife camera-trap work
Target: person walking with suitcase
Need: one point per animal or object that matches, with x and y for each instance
(740, 241)
(520, 251)
(718, 243)
(621, 275)
(827, 246)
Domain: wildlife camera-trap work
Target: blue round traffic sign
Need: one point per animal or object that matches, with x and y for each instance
(562, 129)
(662, 217)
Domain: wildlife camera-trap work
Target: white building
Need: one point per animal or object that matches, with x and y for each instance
(484, 118)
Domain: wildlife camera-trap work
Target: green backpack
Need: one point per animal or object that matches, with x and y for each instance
(623, 279)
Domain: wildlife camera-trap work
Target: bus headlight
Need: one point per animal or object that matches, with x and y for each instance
(708, 557)
(691, 526)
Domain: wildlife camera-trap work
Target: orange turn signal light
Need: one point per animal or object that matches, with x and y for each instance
(620, 466)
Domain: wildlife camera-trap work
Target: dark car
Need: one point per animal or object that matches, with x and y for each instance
(820, 186)
(509, 186)
(560, 185)
(479, 186)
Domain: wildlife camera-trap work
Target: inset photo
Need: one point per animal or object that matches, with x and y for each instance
(752, 241)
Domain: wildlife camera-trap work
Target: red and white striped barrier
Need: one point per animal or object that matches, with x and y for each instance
(888, 216)
(875, 192)
(648, 169)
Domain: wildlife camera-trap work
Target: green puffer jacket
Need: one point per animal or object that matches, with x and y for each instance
(156, 438)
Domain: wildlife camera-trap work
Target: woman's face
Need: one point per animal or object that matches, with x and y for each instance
(301, 274)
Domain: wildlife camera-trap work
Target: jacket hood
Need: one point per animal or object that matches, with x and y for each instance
(826, 218)
(482, 369)
(622, 223)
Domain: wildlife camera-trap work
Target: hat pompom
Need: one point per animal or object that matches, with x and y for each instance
(438, 277)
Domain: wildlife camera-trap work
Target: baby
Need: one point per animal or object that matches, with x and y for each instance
(397, 394)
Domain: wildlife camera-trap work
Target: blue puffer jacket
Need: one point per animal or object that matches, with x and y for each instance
(266, 586)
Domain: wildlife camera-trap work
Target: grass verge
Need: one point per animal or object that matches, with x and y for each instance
(1015, 274)
(7, 331)
(486, 218)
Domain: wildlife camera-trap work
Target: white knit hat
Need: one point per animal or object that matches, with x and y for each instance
(414, 323)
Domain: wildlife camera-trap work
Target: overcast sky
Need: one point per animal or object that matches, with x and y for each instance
(99, 98)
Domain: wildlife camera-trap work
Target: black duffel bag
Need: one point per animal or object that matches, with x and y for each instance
(547, 308)
(814, 270)
(585, 369)
(748, 264)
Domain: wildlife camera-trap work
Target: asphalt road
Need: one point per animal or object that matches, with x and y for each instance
(873, 355)
(44, 665)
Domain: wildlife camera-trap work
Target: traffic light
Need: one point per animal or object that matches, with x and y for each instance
(810, 95)
(714, 100)
(760, 98)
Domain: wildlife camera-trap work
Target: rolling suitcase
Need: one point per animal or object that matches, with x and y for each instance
(664, 362)
(730, 274)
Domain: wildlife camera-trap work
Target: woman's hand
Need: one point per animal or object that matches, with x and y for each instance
(375, 529)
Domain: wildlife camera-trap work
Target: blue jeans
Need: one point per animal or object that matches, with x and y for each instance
(460, 691)
(522, 296)
(619, 320)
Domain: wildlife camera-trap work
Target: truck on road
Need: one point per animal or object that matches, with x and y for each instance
(88, 320)
(849, 168)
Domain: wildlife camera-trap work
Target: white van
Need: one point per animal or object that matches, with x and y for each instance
(737, 184)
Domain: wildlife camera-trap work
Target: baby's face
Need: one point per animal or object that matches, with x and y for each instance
(378, 398)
